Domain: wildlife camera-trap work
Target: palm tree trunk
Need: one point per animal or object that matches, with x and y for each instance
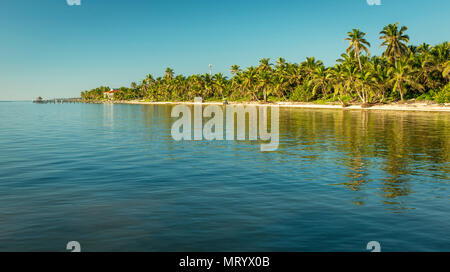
(359, 58)
(255, 96)
(400, 92)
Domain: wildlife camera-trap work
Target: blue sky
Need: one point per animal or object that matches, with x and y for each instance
(51, 49)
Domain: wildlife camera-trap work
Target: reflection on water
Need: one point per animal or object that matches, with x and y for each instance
(397, 147)
(111, 177)
(399, 144)
(108, 114)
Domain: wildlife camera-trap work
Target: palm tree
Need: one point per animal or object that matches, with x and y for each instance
(403, 75)
(249, 80)
(264, 79)
(281, 83)
(395, 41)
(423, 48)
(143, 89)
(320, 81)
(281, 63)
(235, 69)
(208, 85)
(439, 59)
(336, 76)
(446, 72)
(195, 86)
(294, 74)
(356, 75)
(236, 89)
(179, 87)
(357, 44)
(309, 66)
(169, 73)
(220, 82)
(364, 84)
(431, 63)
(149, 80)
(379, 69)
(265, 65)
(349, 75)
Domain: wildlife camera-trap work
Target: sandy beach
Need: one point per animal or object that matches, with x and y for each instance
(407, 106)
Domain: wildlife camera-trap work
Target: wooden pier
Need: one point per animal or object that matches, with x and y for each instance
(39, 100)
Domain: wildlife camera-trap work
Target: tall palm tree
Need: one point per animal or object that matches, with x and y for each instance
(281, 63)
(403, 75)
(143, 89)
(249, 81)
(265, 65)
(220, 81)
(432, 63)
(294, 74)
(379, 70)
(236, 89)
(309, 66)
(395, 41)
(281, 83)
(320, 81)
(337, 80)
(357, 44)
(364, 85)
(169, 74)
(264, 80)
(439, 59)
(349, 75)
(208, 85)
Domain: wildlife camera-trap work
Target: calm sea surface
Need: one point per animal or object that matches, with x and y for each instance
(112, 178)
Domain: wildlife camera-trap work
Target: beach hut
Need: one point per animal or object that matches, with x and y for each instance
(110, 94)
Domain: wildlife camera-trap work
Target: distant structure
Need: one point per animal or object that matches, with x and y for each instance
(40, 100)
(110, 94)
(210, 71)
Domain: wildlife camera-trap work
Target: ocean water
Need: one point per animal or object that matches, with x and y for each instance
(112, 178)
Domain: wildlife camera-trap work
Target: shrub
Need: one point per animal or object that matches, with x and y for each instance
(443, 96)
(302, 93)
(429, 96)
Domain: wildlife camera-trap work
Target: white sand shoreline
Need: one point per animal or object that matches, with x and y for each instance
(415, 106)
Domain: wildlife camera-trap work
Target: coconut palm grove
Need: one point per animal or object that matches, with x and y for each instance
(402, 72)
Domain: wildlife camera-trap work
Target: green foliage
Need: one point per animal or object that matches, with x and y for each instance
(94, 94)
(426, 96)
(302, 93)
(402, 72)
(443, 96)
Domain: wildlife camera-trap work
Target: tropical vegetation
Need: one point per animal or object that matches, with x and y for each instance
(402, 72)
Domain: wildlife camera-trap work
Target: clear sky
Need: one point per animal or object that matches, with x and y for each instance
(51, 49)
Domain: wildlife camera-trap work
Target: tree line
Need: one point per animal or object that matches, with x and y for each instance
(402, 72)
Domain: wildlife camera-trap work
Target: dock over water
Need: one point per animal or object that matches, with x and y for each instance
(39, 100)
